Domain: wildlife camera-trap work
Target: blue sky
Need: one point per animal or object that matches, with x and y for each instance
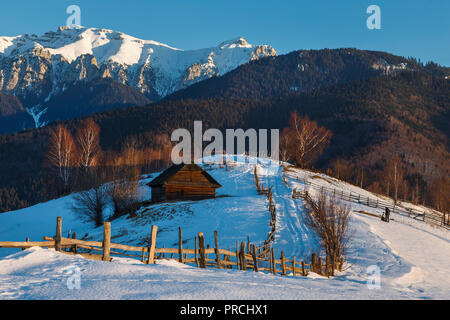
(415, 28)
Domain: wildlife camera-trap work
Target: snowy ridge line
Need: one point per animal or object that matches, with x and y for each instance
(434, 218)
(246, 255)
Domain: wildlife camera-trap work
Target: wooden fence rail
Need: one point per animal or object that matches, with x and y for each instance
(245, 257)
(432, 216)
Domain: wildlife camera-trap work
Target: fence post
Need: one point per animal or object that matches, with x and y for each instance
(274, 264)
(237, 256)
(313, 262)
(26, 240)
(270, 260)
(106, 241)
(58, 234)
(196, 252)
(180, 245)
(327, 266)
(255, 261)
(151, 249)
(283, 263)
(201, 241)
(293, 266)
(74, 247)
(143, 255)
(303, 269)
(242, 255)
(216, 240)
(319, 266)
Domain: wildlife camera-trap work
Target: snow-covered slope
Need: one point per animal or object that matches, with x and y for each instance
(413, 256)
(35, 68)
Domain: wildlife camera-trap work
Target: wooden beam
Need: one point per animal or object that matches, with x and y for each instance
(74, 247)
(274, 264)
(180, 245)
(58, 236)
(237, 255)
(283, 263)
(24, 244)
(151, 250)
(242, 255)
(255, 261)
(201, 241)
(196, 252)
(313, 262)
(216, 240)
(107, 241)
(293, 266)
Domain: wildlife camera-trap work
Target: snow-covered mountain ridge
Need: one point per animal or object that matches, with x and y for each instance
(35, 68)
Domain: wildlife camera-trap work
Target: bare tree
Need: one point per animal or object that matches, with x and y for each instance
(342, 169)
(285, 145)
(62, 153)
(88, 143)
(395, 173)
(330, 221)
(125, 196)
(307, 139)
(91, 203)
(440, 194)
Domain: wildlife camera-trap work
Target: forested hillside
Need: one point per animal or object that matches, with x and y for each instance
(304, 71)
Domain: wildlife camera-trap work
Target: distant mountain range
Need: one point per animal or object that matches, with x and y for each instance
(44, 71)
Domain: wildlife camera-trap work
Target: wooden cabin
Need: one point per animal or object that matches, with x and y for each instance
(183, 181)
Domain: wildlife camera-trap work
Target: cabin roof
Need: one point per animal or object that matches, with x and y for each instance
(163, 178)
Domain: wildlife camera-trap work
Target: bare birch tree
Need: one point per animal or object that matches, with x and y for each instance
(306, 139)
(395, 173)
(61, 153)
(88, 143)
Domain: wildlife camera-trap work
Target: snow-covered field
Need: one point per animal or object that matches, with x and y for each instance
(413, 257)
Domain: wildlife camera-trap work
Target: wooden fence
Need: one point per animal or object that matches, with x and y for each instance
(432, 217)
(246, 256)
(265, 248)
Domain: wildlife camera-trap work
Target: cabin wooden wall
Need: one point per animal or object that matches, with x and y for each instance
(191, 177)
(188, 192)
(184, 185)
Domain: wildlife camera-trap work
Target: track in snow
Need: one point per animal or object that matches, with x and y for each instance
(292, 235)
